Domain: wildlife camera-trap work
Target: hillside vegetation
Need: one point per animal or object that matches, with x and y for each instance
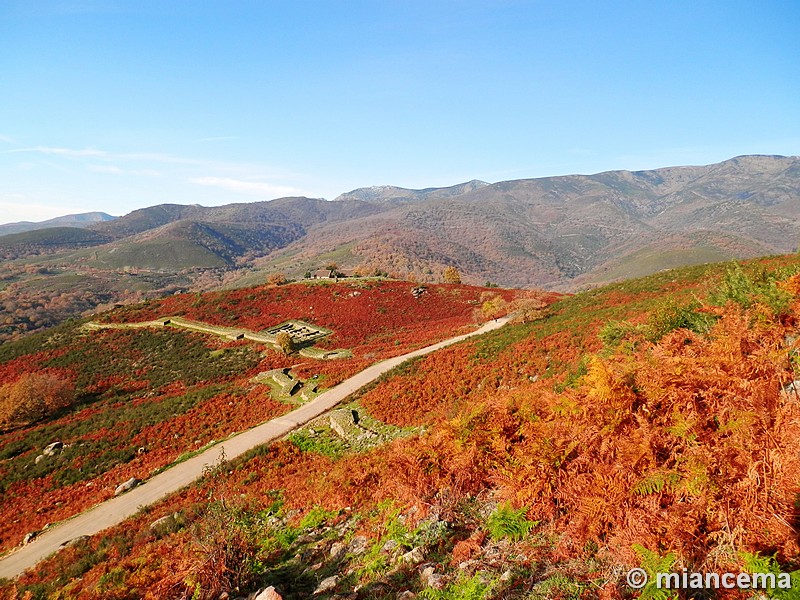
(648, 423)
(128, 401)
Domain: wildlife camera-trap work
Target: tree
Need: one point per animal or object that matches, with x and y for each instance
(277, 279)
(492, 305)
(527, 310)
(32, 397)
(451, 275)
(285, 342)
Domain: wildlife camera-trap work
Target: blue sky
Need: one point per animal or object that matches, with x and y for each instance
(114, 105)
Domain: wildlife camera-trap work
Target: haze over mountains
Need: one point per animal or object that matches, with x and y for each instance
(556, 232)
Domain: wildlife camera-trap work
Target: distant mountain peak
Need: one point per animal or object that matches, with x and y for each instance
(394, 194)
(80, 220)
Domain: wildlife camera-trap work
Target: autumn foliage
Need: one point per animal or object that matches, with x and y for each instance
(649, 419)
(32, 397)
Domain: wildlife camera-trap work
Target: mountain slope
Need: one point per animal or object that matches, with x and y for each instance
(50, 239)
(644, 424)
(77, 220)
(563, 233)
(550, 231)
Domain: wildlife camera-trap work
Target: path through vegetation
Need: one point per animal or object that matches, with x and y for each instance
(117, 509)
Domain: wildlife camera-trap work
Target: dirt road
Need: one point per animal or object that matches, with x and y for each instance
(117, 509)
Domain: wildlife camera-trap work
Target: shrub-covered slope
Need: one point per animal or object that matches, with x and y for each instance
(125, 402)
(650, 423)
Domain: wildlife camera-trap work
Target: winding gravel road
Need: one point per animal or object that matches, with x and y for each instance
(118, 509)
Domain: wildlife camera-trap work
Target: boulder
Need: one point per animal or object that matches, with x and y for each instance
(269, 593)
(432, 579)
(128, 485)
(338, 550)
(51, 449)
(417, 555)
(358, 545)
(326, 585)
(163, 520)
(337, 427)
(29, 537)
(73, 541)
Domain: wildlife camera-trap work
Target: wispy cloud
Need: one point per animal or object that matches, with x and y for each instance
(258, 188)
(7, 139)
(71, 152)
(115, 170)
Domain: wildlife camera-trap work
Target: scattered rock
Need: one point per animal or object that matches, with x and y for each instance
(29, 537)
(506, 576)
(467, 565)
(73, 541)
(358, 545)
(51, 449)
(337, 427)
(413, 556)
(338, 550)
(406, 595)
(128, 485)
(141, 450)
(432, 579)
(163, 520)
(389, 546)
(269, 593)
(326, 585)
(39, 459)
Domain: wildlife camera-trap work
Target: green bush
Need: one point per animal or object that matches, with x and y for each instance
(754, 563)
(506, 522)
(670, 316)
(474, 588)
(760, 288)
(614, 333)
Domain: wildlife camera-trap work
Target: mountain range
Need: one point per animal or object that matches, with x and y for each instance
(554, 232)
(561, 233)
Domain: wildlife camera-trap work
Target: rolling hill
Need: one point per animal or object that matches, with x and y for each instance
(651, 423)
